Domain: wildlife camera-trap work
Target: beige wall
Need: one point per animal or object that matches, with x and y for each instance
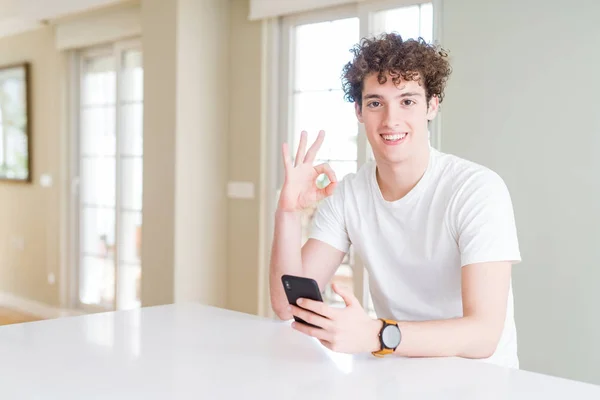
(159, 19)
(201, 151)
(185, 46)
(29, 212)
(244, 159)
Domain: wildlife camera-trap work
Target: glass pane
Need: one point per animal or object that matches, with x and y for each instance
(13, 152)
(130, 248)
(13, 92)
(132, 133)
(98, 231)
(99, 81)
(342, 168)
(13, 125)
(130, 277)
(321, 51)
(98, 181)
(405, 21)
(97, 281)
(132, 170)
(98, 131)
(132, 88)
(426, 28)
(328, 111)
(131, 237)
(98, 176)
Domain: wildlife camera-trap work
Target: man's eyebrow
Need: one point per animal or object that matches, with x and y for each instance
(400, 96)
(409, 94)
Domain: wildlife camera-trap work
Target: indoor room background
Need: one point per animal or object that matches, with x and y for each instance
(154, 130)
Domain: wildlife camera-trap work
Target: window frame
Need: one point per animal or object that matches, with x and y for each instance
(76, 63)
(278, 66)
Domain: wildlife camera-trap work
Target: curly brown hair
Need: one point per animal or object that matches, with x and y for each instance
(412, 59)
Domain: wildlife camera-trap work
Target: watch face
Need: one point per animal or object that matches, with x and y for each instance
(391, 336)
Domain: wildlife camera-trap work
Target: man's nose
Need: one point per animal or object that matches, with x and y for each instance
(393, 118)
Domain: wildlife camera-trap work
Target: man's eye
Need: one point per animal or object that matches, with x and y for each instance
(407, 102)
(374, 104)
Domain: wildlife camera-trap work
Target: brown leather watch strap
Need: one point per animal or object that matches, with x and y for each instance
(384, 351)
(381, 353)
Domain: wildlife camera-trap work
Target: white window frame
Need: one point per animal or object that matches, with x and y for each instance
(76, 58)
(278, 65)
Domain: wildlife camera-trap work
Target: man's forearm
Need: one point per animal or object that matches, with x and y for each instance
(466, 337)
(286, 257)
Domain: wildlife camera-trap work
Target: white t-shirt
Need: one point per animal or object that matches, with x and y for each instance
(459, 213)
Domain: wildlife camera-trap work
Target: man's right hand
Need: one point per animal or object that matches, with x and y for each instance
(315, 258)
(300, 188)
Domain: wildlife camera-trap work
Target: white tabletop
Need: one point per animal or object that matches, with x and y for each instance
(196, 352)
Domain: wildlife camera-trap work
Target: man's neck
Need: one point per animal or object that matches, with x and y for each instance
(397, 180)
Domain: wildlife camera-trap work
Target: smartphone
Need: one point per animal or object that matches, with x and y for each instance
(297, 287)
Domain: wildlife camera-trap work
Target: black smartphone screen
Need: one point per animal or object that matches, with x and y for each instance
(297, 287)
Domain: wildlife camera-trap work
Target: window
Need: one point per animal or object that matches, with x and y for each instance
(14, 140)
(316, 48)
(109, 172)
(409, 21)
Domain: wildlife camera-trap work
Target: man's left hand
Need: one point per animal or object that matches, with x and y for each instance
(344, 330)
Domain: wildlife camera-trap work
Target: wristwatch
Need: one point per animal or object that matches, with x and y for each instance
(389, 337)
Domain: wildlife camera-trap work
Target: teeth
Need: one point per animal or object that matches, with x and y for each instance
(396, 136)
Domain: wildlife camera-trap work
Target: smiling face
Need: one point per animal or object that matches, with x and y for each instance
(396, 118)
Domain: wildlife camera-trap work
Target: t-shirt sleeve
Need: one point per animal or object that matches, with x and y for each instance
(484, 221)
(328, 224)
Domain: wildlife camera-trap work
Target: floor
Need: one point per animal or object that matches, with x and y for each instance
(9, 316)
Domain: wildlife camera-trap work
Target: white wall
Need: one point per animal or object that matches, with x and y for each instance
(523, 100)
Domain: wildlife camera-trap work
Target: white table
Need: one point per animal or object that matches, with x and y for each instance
(196, 352)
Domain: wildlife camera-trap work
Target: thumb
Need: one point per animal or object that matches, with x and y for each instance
(327, 170)
(326, 191)
(345, 293)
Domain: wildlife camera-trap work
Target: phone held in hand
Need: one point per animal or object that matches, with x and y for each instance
(297, 287)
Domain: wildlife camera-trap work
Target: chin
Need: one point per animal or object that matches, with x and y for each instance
(387, 158)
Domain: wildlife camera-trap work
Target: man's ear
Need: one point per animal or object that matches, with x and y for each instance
(357, 109)
(433, 107)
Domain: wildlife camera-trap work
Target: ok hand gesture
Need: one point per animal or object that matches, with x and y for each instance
(300, 188)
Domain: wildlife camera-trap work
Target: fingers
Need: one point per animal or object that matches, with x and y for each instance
(326, 191)
(329, 189)
(301, 149)
(300, 156)
(312, 152)
(320, 334)
(284, 314)
(326, 344)
(311, 317)
(317, 307)
(327, 170)
(285, 151)
(345, 293)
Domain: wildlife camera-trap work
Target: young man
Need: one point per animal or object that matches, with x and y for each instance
(436, 232)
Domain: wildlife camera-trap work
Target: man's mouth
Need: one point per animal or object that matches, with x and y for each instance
(393, 138)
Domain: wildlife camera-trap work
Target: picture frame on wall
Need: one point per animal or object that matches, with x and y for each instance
(15, 123)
